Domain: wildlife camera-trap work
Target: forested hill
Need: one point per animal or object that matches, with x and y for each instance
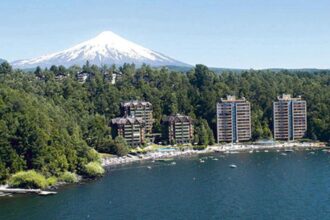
(49, 123)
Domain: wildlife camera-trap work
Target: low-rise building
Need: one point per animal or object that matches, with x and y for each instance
(290, 117)
(139, 109)
(60, 76)
(178, 129)
(233, 120)
(113, 76)
(131, 128)
(83, 76)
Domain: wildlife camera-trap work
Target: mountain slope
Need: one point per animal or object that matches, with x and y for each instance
(107, 48)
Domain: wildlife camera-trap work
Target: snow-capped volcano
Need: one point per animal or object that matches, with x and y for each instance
(106, 48)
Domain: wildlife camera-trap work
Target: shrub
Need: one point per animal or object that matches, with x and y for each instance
(52, 181)
(94, 169)
(68, 177)
(28, 179)
(120, 146)
(93, 155)
(199, 147)
(4, 173)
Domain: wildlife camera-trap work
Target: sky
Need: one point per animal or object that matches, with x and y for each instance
(218, 33)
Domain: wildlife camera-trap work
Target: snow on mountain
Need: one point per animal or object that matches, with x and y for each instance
(106, 48)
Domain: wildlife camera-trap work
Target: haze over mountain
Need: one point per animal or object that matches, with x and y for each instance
(106, 48)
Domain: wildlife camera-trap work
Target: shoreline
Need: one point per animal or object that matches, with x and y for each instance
(109, 162)
(226, 148)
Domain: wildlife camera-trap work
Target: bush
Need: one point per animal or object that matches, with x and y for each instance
(199, 147)
(28, 179)
(94, 169)
(52, 181)
(120, 146)
(68, 177)
(4, 173)
(93, 155)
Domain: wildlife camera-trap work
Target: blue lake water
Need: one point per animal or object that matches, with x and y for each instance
(263, 186)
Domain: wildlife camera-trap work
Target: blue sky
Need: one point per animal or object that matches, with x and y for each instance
(223, 33)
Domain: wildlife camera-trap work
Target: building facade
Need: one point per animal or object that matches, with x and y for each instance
(233, 120)
(139, 109)
(131, 128)
(289, 117)
(179, 129)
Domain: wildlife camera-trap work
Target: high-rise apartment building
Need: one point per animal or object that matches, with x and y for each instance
(290, 118)
(179, 129)
(139, 109)
(131, 128)
(233, 120)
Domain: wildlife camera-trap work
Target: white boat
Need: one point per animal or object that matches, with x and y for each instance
(283, 154)
(251, 151)
(149, 167)
(232, 166)
(173, 163)
(234, 152)
(266, 151)
(46, 193)
(202, 161)
(215, 158)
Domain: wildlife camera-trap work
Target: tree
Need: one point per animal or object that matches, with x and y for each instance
(203, 134)
(120, 146)
(5, 68)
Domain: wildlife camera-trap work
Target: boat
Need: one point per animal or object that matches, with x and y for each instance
(164, 159)
(149, 167)
(251, 151)
(266, 151)
(46, 193)
(215, 158)
(173, 163)
(202, 161)
(232, 166)
(283, 154)
(288, 150)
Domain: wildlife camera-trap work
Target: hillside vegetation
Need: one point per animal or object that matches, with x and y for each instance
(51, 125)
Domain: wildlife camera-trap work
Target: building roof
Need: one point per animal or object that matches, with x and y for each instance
(135, 103)
(287, 97)
(126, 119)
(178, 118)
(232, 98)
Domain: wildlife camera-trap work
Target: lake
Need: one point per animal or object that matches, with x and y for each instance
(263, 186)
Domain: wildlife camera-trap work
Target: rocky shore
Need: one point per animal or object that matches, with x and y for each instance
(167, 152)
(226, 148)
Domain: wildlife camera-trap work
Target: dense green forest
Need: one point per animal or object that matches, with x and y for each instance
(51, 125)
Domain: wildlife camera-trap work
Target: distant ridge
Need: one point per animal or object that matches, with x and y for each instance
(237, 70)
(106, 48)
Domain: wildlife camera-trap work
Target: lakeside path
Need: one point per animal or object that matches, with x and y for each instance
(226, 148)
